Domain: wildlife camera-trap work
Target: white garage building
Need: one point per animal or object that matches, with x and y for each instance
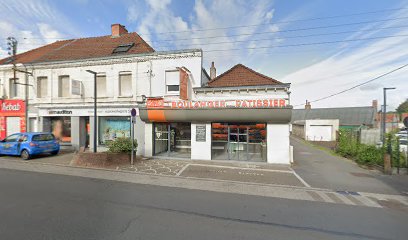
(316, 129)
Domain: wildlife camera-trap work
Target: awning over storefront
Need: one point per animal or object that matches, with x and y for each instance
(273, 115)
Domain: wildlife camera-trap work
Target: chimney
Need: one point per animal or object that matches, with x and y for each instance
(307, 105)
(118, 30)
(213, 71)
(375, 105)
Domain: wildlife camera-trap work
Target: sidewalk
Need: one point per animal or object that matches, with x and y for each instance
(396, 202)
(321, 169)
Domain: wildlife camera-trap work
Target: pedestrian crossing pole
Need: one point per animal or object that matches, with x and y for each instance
(132, 133)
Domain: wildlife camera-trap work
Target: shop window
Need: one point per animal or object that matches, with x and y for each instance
(61, 128)
(13, 88)
(111, 128)
(63, 86)
(239, 141)
(173, 82)
(42, 87)
(125, 84)
(101, 85)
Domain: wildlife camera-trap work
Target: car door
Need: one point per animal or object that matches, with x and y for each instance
(10, 143)
(21, 140)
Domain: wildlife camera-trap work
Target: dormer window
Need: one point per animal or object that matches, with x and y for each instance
(123, 48)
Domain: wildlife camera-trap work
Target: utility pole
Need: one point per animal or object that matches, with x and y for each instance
(384, 114)
(95, 131)
(12, 51)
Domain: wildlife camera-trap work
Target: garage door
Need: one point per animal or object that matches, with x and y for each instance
(319, 133)
(13, 125)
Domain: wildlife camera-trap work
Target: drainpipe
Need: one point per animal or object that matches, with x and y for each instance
(26, 98)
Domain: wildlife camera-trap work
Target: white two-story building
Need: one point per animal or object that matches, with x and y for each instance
(182, 111)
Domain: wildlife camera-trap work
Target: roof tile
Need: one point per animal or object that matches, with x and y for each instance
(240, 75)
(83, 48)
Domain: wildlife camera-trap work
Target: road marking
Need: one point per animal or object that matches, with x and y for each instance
(182, 169)
(300, 179)
(345, 199)
(242, 168)
(335, 198)
(315, 196)
(354, 200)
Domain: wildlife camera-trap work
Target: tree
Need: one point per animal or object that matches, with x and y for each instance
(403, 107)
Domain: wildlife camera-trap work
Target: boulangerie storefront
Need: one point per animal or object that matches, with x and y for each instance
(12, 117)
(240, 115)
(253, 128)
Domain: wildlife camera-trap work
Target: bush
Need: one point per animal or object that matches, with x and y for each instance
(348, 144)
(369, 155)
(121, 145)
(350, 147)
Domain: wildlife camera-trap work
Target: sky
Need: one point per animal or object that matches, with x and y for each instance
(320, 47)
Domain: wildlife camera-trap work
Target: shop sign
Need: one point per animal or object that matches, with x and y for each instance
(244, 103)
(86, 112)
(12, 107)
(200, 133)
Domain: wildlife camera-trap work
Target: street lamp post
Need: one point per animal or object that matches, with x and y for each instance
(95, 115)
(384, 114)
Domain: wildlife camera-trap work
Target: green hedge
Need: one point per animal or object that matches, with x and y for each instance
(121, 145)
(350, 147)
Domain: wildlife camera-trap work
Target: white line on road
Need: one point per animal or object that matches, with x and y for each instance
(241, 168)
(182, 169)
(300, 179)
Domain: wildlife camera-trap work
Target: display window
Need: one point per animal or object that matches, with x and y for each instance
(111, 128)
(61, 128)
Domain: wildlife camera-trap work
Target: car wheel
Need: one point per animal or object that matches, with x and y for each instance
(54, 153)
(25, 155)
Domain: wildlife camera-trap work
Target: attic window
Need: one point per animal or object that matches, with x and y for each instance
(123, 48)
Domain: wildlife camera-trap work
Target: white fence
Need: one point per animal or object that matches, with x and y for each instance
(370, 136)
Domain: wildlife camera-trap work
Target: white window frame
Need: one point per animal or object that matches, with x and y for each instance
(39, 87)
(106, 85)
(13, 88)
(60, 92)
(172, 84)
(120, 84)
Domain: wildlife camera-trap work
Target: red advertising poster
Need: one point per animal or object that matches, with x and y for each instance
(2, 127)
(22, 124)
(11, 108)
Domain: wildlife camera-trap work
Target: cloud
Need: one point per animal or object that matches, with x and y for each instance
(351, 66)
(34, 23)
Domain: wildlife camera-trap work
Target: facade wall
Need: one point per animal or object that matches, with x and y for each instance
(148, 79)
(278, 143)
(201, 150)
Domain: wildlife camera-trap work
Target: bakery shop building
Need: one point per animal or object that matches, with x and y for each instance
(240, 115)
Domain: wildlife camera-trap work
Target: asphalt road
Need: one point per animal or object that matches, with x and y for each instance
(321, 169)
(48, 206)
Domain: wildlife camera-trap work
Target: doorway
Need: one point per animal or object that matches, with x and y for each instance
(172, 139)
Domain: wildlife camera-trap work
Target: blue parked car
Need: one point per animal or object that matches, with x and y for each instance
(27, 145)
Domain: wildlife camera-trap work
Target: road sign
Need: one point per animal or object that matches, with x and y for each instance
(133, 112)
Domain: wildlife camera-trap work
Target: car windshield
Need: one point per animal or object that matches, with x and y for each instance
(43, 137)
